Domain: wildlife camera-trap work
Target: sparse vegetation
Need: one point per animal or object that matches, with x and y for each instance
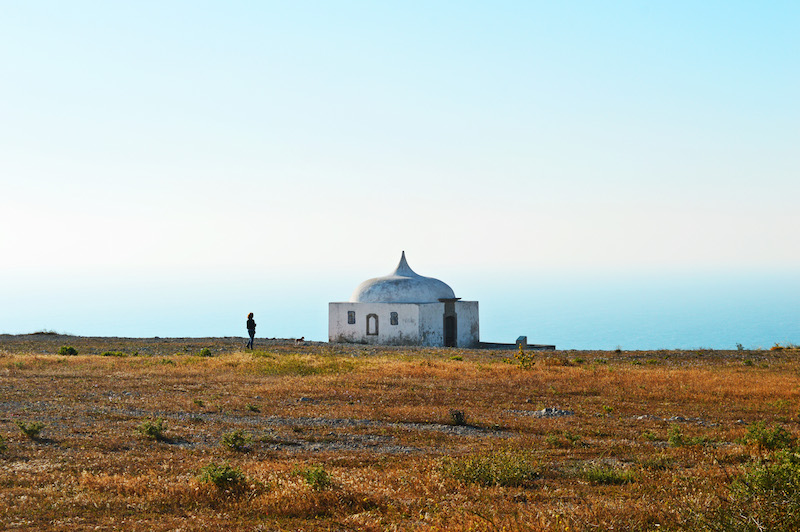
(316, 477)
(603, 474)
(32, 430)
(3, 445)
(458, 417)
(223, 477)
(564, 440)
(366, 425)
(504, 468)
(114, 354)
(67, 351)
(154, 430)
(676, 438)
(769, 439)
(524, 359)
(236, 440)
(658, 462)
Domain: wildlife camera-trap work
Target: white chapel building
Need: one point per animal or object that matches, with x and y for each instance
(404, 308)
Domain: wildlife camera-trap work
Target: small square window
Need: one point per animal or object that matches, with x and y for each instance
(351, 317)
(393, 318)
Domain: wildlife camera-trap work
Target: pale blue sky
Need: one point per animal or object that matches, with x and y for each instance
(161, 139)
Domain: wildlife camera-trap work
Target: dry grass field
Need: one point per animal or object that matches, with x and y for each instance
(199, 434)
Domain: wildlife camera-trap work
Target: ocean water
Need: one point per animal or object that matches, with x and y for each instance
(571, 312)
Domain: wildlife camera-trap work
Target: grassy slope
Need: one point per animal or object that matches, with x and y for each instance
(609, 464)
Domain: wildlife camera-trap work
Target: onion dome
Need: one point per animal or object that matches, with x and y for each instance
(403, 285)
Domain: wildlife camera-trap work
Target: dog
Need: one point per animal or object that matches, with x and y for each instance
(300, 340)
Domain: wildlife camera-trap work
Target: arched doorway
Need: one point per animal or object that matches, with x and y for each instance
(372, 325)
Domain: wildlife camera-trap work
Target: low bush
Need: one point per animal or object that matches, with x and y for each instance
(67, 351)
(236, 440)
(600, 474)
(223, 476)
(154, 430)
(503, 468)
(458, 417)
(114, 354)
(564, 440)
(657, 463)
(205, 352)
(32, 429)
(3, 446)
(316, 477)
(765, 497)
(769, 439)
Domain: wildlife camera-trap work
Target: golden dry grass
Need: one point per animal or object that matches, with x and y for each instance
(377, 420)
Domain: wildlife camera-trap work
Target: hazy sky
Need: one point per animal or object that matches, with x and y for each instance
(208, 138)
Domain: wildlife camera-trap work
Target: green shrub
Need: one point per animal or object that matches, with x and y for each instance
(236, 440)
(253, 408)
(154, 430)
(765, 497)
(316, 477)
(503, 468)
(32, 429)
(114, 354)
(223, 476)
(3, 446)
(769, 439)
(205, 352)
(675, 437)
(649, 435)
(67, 351)
(659, 462)
(600, 474)
(565, 440)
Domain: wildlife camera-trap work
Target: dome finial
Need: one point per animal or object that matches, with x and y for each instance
(403, 268)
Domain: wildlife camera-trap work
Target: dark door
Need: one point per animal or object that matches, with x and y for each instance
(450, 331)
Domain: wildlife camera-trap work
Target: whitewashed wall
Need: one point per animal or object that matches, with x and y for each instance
(418, 323)
(469, 334)
(431, 330)
(406, 332)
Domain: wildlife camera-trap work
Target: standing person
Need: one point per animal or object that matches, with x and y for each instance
(251, 330)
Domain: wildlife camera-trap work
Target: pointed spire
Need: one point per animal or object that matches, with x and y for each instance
(403, 269)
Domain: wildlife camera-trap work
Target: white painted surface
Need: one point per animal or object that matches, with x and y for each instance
(469, 334)
(406, 332)
(403, 285)
(415, 299)
(418, 323)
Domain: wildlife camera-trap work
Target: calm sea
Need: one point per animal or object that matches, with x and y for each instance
(644, 312)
